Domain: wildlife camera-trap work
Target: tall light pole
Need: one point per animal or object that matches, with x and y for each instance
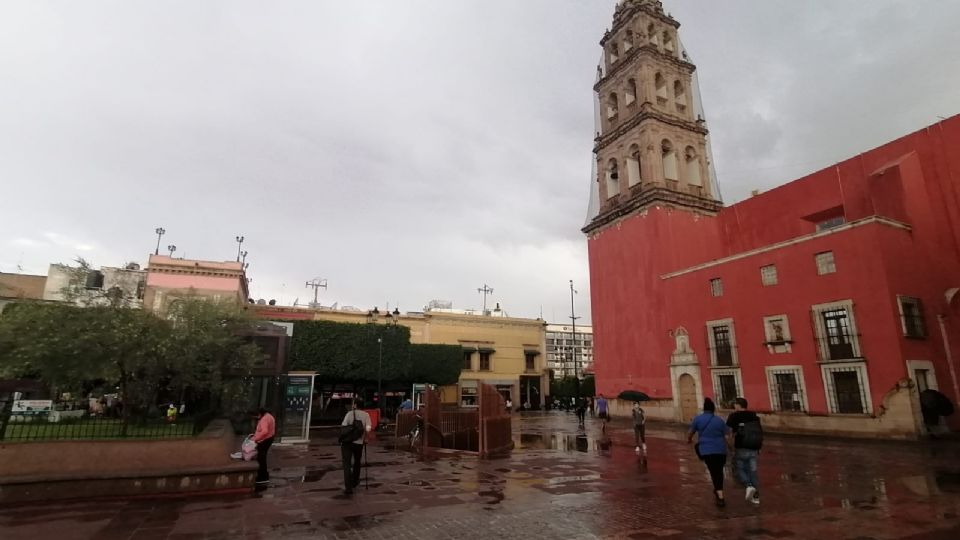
(171, 248)
(239, 243)
(485, 290)
(243, 257)
(160, 232)
(380, 375)
(573, 321)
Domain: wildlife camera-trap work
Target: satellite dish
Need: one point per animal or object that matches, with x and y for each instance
(272, 303)
(261, 302)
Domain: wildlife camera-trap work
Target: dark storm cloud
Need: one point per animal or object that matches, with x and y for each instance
(408, 150)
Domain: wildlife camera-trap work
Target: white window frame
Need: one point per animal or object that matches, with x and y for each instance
(903, 319)
(713, 346)
(765, 277)
(716, 373)
(716, 287)
(861, 370)
(821, 332)
(772, 346)
(797, 371)
(475, 385)
(824, 269)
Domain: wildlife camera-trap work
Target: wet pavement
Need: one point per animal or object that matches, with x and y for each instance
(560, 482)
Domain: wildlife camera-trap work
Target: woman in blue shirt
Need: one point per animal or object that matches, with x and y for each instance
(711, 446)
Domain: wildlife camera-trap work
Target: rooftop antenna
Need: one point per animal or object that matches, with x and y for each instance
(485, 290)
(316, 284)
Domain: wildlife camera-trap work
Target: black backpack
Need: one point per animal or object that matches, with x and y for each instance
(352, 431)
(751, 435)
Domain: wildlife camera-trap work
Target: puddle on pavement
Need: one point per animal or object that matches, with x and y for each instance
(567, 442)
(495, 494)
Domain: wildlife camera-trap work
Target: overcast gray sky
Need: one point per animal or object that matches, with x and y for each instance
(409, 150)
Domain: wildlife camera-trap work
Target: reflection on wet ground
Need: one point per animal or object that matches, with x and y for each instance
(560, 482)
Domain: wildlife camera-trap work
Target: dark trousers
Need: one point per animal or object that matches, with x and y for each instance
(640, 434)
(352, 454)
(263, 475)
(581, 415)
(715, 463)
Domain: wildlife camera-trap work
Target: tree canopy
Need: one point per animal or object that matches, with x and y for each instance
(67, 346)
(351, 353)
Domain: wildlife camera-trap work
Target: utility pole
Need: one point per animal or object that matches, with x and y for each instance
(573, 321)
(239, 243)
(316, 284)
(485, 290)
(160, 232)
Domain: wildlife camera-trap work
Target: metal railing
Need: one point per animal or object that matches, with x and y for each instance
(64, 425)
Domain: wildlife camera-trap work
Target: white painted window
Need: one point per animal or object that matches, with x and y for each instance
(722, 341)
(613, 179)
(787, 392)
(847, 388)
(612, 106)
(661, 86)
(727, 386)
(633, 166)
(768, 275)
(631, 94)
(716, 287)
(835, 329)
(694, 177)
(825, 263)
(669, 156)
(912, 321)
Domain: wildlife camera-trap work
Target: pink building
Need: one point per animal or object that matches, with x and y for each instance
(169, 279)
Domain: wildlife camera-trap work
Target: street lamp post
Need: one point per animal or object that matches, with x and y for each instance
(380, 375)
(243, 257)
(171, 248)
(239, 243)
(573, 320)
(160, 232)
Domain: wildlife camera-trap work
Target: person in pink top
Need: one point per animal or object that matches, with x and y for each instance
(266, 427)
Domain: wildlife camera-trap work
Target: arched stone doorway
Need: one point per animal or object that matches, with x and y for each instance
(688, 397)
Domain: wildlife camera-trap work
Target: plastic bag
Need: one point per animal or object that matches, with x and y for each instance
(248, 449)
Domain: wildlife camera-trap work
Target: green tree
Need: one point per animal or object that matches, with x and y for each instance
(349, 352)
(435, 364)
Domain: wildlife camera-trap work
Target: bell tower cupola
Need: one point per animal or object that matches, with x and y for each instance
(651, 147)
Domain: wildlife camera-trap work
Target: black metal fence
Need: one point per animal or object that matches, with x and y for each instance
(80, 425)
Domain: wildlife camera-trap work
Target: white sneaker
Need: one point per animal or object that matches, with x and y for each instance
(637, 449)
(751, 491)
(644, 447)
(756, 499)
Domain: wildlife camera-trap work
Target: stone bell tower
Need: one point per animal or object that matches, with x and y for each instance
(652, 146)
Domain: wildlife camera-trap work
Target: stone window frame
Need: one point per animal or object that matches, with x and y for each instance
(712, 346)
(716, 287)
(826, 262)
(774, 345)
(797, 372)
(769, 276)
(820, 332)
(715, 374)
(860, 368)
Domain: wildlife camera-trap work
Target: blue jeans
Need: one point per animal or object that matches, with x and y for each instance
(745, 464)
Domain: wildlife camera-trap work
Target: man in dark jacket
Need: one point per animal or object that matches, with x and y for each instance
(746, 439)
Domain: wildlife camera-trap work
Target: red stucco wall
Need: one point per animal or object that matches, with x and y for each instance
(914, 180)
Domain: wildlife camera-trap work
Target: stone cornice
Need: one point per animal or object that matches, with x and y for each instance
(648, 197)
(646, 112)
(622, 17)
(653, 51)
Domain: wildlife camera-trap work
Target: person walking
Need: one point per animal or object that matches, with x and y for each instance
(355, 426)
(746, 440)
(639, 426)
(711, 446)
(263, 436)
(602, 411)
(581, 411)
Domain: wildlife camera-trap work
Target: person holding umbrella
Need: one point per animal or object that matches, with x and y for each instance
(639, 417)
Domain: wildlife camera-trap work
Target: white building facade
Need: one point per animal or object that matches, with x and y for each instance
(563, 346)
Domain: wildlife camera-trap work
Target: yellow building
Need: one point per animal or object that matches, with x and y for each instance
(506, 352)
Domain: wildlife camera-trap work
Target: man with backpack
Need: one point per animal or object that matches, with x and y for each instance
(353, 432)
(747, 439)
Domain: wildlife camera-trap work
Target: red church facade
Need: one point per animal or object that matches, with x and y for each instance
(828, 302)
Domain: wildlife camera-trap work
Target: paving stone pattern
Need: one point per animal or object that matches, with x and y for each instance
(560, 482)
